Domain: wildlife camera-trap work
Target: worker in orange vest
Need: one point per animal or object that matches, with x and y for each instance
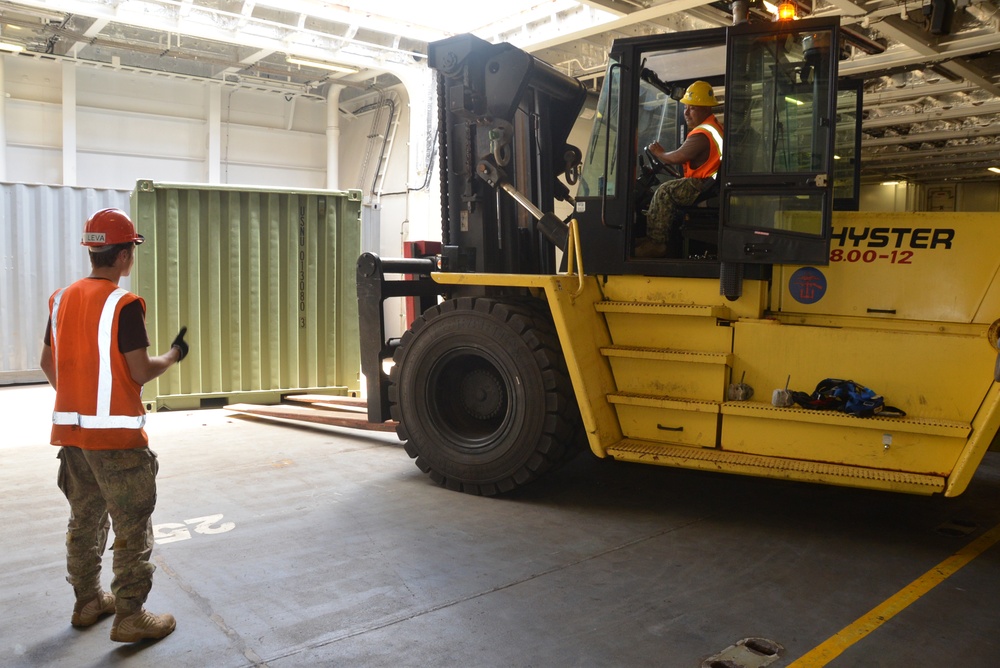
(700, 156)
(95, 356)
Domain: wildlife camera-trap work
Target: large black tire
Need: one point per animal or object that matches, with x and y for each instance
(481, 393)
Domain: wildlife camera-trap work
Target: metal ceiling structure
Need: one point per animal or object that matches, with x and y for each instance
(931, 67)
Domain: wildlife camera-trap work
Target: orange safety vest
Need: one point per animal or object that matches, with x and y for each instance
(98, 405)
(708, 169)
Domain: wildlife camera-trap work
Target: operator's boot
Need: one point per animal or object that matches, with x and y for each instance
(86, 613)
(136, 626)
(647, 248)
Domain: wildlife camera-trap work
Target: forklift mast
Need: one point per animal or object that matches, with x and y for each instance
(504, 119)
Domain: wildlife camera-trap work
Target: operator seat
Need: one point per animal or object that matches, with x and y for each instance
(701, 220)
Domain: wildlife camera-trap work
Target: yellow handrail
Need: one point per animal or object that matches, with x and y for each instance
(574, 256)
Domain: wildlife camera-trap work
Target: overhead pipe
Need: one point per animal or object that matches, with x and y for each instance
(383, 101)
(333, 137)
(741, 11)
(3, 121)
(69, 136)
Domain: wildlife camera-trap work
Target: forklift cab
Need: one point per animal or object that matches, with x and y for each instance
(777, 85)
(661, 119)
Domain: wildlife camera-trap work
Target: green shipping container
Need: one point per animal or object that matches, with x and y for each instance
(263, 279)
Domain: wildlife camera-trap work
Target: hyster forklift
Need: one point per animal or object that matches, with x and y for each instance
(536, 335)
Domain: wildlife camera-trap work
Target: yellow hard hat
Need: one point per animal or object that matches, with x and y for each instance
(699, 94)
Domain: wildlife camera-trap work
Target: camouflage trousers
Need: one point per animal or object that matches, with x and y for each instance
(120, 484)
(663, 218)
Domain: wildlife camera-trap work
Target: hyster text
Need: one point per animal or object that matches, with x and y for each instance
(893, 237)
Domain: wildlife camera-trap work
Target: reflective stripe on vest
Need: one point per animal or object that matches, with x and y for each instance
(55, 312)
(103, 419)
(714, 134)
(99, 422)
(710, 129)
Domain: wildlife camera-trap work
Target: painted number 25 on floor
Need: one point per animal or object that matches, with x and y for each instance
(172, 532)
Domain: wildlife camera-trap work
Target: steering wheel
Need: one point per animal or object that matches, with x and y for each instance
(657, 167)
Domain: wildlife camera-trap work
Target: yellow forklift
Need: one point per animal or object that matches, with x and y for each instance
(785, 335)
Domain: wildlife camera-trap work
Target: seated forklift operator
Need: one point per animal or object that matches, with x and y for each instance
(700, 156)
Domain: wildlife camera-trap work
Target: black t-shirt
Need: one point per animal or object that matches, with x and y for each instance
(131, 328)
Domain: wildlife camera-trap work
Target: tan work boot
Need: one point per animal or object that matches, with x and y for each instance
(86, 613)
(647, 249)
(141, 626)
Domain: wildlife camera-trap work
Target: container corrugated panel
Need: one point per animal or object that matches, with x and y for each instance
(264, 280)
(40, 230)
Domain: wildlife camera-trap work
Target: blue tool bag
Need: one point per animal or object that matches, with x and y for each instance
(846, 396)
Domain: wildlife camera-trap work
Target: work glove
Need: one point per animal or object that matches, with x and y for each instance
(180, 344)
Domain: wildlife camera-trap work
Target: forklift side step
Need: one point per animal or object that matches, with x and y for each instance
(694, 310)
(711, 459)
(914, 425)
(700, 356)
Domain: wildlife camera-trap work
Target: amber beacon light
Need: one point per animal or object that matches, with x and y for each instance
(786, 11)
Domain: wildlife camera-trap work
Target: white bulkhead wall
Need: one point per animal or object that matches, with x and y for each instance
(118, 127)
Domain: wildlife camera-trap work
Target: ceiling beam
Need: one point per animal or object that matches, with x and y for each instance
(972, 74)
(92, 31)
(937, 135)
(900, 58)
(204, 23)
(617, 7)
(915, 93)
(246, 12)
(935, 174)
(933, 114)
(848, 7)
(640, 16)
(852, 13)
(921, 157)
(712, 16)
(904, 32)
(977, 163)
(252, 59)
(370, 19)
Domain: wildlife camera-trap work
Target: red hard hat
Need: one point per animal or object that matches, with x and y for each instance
(108, 227)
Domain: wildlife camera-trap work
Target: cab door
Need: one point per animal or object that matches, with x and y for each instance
(778, 141)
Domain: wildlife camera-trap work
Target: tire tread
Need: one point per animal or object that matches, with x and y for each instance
(530, 319)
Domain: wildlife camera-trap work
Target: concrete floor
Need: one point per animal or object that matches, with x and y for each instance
(319, 546)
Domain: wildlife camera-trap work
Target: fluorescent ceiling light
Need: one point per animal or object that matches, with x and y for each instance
(890, 183)
(12, 48)
(995, 170)
(794, 101)
(333, 67)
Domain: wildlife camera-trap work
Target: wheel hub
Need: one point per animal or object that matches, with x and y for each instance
(482, 394)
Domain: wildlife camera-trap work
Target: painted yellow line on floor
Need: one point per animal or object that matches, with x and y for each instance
(833, 647)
